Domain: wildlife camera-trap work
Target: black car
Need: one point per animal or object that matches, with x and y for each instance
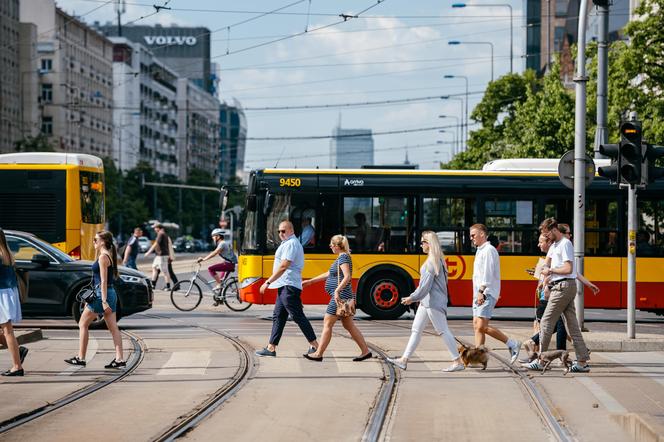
(55, 279)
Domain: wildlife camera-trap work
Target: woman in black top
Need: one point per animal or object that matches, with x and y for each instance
(338, 286)
(104, 272)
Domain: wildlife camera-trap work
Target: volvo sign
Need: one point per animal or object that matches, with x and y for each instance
(170, 40)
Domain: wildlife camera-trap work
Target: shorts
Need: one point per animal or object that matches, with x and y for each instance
(486, 309)
(161, 263)
(111, 297)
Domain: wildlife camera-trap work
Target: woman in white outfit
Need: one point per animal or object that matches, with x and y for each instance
(432, 294)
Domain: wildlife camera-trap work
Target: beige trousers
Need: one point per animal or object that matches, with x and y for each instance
(561, 302)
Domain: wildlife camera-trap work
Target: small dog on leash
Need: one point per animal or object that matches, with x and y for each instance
(547, 357)
(474, 355)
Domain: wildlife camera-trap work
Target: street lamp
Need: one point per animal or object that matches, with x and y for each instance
(464, 5)
(454, 139)
(458, 136)
(466, 116)
(447, 97)
(457, 42)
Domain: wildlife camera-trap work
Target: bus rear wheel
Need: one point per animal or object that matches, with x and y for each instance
(381, 297)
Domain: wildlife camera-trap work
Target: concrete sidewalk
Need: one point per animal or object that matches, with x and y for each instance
(27, 335)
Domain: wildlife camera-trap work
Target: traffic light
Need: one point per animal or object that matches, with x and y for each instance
(611, 172)
(631, 154)
(651, 156)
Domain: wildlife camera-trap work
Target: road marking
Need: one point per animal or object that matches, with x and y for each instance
(653, 371)
(609, 402)
(93, 346)
(186, 363)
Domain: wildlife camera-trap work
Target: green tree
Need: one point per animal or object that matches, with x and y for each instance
(40, 143)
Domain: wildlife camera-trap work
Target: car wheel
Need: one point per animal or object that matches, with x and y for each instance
(381, 296)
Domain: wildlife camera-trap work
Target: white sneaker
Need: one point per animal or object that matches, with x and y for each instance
(396, 362)
(451, 368)
(514, 352)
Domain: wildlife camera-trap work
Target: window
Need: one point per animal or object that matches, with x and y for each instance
(650, 228)
(92, 197)
(292, 208)
(21, 249)
(47, 93)
(46, 65)
(378, 224)
(602, 234)
(47, 125)
(447, 216)
(512, 224)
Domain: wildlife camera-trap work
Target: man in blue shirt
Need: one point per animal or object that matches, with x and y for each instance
(287, 279)
(131, 251)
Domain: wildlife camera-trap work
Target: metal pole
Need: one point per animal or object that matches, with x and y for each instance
(601, 133)
(180, 206)
(466, 80)
(631, 262)
(580, 158)
(491, 44)
(511, 40)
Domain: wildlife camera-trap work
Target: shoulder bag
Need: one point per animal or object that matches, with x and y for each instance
(88, 294)
(22, 280)
(344, 308)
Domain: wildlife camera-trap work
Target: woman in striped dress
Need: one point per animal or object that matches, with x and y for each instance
(338, 286)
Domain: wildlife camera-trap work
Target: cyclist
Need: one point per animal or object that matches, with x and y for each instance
(225, 251)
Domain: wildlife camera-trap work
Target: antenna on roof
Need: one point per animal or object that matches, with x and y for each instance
(279, 159)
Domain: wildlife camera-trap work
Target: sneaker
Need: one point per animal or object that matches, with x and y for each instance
(216, 303)
(451, 368)
(266, 352)
(535, 365)
(75, 361)
(168, 287)
(396, 362)
(22, 353)
(578, 368)
(116, 364)
(311, 350)
(514, 352)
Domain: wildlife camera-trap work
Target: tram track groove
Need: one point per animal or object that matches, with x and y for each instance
(554, 424)
(244, 372)
(139, 350)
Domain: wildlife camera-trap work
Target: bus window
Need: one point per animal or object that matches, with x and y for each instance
(92, 197)
(512, 224)
(249, 239)
(447, 217)
(650, 228)
(377, 224)
(602, 238)
(291, 207)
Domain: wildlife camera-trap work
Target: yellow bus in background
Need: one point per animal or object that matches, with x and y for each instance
(59, 197)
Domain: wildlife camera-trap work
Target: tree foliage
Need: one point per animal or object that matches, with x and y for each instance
(39, 143)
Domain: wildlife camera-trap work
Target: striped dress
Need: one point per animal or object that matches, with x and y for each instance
(331, 283)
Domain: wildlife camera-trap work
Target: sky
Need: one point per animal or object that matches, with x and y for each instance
(275, 57)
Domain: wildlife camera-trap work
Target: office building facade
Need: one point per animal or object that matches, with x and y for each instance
(351, 148)
(10, 76)
(233, 140)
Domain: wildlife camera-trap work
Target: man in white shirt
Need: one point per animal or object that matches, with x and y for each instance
(561, 277)
(486, 290)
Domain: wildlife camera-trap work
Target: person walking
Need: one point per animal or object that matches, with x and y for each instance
(562, 280)
(104, 273)
(132, 249)
(338, 286)
(286, 277)
(486, 291)
(160, 263)
(10, 309)
(432, 295)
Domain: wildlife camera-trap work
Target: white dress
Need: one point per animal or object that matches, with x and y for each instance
(10, 306)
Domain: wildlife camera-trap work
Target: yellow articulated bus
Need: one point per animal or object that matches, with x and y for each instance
(58, 197)
(384, 212)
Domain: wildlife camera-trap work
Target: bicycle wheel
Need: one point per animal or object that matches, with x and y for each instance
(231, 295)
(186, 295)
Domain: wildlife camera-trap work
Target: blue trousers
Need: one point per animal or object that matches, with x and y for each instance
(289, 302)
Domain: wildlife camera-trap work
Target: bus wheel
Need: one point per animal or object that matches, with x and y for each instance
(382, 296)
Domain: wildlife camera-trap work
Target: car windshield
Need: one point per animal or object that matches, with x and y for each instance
(25, 246)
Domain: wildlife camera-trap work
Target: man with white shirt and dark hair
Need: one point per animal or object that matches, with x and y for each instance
(561, 277)
(486, 290)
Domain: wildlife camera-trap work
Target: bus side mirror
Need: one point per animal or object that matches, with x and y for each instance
(269, 199)
(251, 203)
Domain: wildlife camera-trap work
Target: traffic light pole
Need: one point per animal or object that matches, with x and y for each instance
(580, 80)
(632, 223)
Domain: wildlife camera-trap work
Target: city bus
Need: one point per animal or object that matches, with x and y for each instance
(383, 212)
(59, 197)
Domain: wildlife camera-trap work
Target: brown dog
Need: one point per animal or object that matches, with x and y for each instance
(547, 357)
(474, 355)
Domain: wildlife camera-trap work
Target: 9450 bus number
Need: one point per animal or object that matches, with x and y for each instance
(290, 182)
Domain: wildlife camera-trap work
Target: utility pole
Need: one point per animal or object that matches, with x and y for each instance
(580, 159)
(601, 132)
(120, 8)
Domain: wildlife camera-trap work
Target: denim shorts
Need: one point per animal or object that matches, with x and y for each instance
(486, 309)
(111, 297)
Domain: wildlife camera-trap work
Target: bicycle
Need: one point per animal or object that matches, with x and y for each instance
(186, 295)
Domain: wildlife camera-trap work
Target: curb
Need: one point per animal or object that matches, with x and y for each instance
(639, 427)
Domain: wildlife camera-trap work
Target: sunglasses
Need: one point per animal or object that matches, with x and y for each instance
(282, 231)
(424, 242)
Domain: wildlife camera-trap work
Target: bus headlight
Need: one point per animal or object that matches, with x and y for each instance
(248, 281)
